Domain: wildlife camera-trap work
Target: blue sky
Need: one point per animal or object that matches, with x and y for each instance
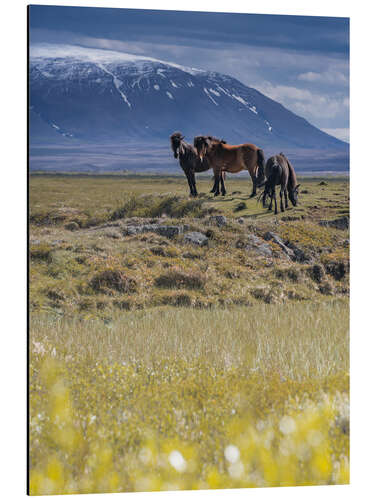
(302, 62)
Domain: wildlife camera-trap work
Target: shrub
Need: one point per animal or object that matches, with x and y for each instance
(316, 272)
(113, 279)
(156, 206)
(290, 274)
(41, 252)
(179, 279)
(177, 299)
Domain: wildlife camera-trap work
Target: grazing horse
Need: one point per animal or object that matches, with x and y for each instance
(189, 159)
(226, 158)
(279, 172)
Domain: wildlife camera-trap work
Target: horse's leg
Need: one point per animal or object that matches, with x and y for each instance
(281, 199)
(194, 186)
(217, 173)
(275, 197)
(223, 190)
(188, 177)
(271, 196)
(254, 180)
(286, 198)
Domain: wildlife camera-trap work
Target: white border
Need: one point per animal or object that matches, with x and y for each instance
(13, 244)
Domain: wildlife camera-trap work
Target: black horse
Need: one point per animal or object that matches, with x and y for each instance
(280, 172)
(190, 161)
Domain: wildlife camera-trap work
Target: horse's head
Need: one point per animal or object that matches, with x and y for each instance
(201, 144)
(176, 139)
(293, 195)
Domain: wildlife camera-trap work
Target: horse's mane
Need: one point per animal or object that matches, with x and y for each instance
(212, 138)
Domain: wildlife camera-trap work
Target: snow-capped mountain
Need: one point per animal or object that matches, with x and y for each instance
(82, 94)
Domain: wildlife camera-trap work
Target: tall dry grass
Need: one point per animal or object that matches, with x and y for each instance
(297, 340)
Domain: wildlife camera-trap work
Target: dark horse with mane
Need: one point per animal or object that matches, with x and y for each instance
(226, 158)
(190, 161)
(280, 172)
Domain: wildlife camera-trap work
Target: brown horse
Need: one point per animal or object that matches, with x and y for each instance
(226, 158)
(279, 172)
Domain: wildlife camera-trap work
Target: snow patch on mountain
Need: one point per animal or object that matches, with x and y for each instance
(209, 96)
(169, 95)
(85, 54)
(214, 92)
(269, 126)
(117, 83)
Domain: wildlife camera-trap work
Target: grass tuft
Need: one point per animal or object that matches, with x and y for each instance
(113, 279)
(181, 279)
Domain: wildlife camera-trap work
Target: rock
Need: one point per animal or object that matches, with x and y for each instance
(340, 223)
(71, 226)
(299, 254)
(218, 220)
(322, 184)
(196, 238)
(132, 230)
(167, 231)
(240, 220)
(345, 243)
(270, 236)
(255, 244)
(254, 240)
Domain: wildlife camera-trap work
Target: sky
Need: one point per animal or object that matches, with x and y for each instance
(301, 62)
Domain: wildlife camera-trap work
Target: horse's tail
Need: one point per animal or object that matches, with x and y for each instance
(261, 161)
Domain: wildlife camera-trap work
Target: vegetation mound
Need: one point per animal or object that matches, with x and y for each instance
(180, 279)
(113, 279)
(157, 206)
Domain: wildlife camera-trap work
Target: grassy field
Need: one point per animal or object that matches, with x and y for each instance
(157, 364)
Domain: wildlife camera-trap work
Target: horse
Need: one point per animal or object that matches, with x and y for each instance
(226, 158)
(190, 161)
(280, 172)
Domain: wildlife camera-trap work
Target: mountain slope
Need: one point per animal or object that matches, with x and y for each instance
(79, 94)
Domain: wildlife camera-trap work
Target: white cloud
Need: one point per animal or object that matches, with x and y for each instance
(341, 133)
(331, 77)
(305, 102)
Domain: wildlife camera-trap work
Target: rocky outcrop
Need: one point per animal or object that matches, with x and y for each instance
(196, 238)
